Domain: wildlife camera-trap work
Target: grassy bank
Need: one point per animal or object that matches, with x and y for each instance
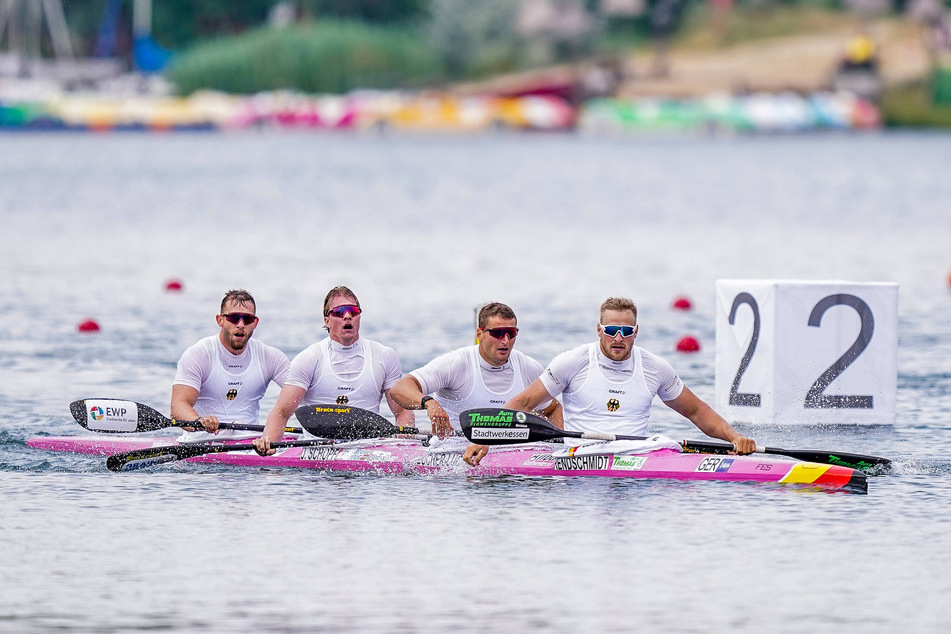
(913, 105)
(326, 57)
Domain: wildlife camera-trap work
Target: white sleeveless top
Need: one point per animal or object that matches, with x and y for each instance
(231, 396)
(458, 380)
(313, 370)
(620, 403)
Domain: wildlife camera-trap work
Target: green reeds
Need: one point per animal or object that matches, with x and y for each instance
(326, 57)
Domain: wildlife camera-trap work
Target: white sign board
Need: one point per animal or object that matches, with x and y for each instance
(799, 352)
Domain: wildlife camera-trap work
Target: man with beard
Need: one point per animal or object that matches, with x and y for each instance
(608, 386)
(222, 378)
(341, 369)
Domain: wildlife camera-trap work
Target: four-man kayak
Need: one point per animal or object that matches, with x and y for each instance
(399, 456)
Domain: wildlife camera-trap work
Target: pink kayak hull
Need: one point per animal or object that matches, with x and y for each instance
(402, 456)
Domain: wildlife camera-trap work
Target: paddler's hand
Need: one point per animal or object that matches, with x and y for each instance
(475, 453)
(744, 446)
(208, 423)
(262, 447)
(439, 419)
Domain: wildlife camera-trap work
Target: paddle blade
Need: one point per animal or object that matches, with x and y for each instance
(142, 458)
(344, 422)
(116, 415)
(493, 426)
(867, 464)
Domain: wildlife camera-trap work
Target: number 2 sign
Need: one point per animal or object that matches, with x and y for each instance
(791, 352)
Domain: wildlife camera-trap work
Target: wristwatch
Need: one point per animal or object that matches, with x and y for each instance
(424, 400)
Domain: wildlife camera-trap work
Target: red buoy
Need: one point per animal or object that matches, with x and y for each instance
(682, 303)
(89, 325)
(174, 286)
(688, 344)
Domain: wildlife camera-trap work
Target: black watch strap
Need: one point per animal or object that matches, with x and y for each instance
(424, 400)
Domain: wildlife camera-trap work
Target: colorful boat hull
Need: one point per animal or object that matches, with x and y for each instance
(387, 456)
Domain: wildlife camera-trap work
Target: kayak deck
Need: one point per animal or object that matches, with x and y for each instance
(397, 456)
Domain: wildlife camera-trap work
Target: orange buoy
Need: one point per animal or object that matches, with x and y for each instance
(88, 325)
(682, 303)
(688, 344)
(174, 286)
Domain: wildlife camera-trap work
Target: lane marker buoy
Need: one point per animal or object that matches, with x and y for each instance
(88, 325)
(688, 344)
(683, 303)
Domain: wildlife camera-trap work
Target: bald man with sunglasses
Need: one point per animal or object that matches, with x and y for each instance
(486, 374)
(222, 378)
(343, 369)
(609, 385)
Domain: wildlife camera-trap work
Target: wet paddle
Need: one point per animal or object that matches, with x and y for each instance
(328, 421)
(112, 415)
(492, 426)
(142, 458)
(344, 422)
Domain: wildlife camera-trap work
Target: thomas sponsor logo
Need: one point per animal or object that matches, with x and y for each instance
(504, 418)
(511, 433)
(715, 465)
(628, 463)
(583, 463)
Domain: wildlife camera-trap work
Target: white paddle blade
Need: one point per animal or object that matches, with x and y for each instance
(111, 415)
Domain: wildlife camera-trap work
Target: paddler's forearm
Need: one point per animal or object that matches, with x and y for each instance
(287, 401)
(529, 398)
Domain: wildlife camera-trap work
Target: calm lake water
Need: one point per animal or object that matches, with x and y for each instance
(425, 229)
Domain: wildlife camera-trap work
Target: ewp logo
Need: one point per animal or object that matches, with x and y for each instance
(96, 413)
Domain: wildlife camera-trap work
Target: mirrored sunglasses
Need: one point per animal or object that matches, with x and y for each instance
(611, 331)
(340, 311)
(498, 333)
(235, 318)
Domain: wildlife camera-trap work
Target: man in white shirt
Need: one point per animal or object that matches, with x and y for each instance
(341, 369)
(487, 374)
(608, 386)
(223, 377)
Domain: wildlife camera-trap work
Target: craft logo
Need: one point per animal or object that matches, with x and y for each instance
(342, 399)
(613, 405)
(232, 394)
(96, 413)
